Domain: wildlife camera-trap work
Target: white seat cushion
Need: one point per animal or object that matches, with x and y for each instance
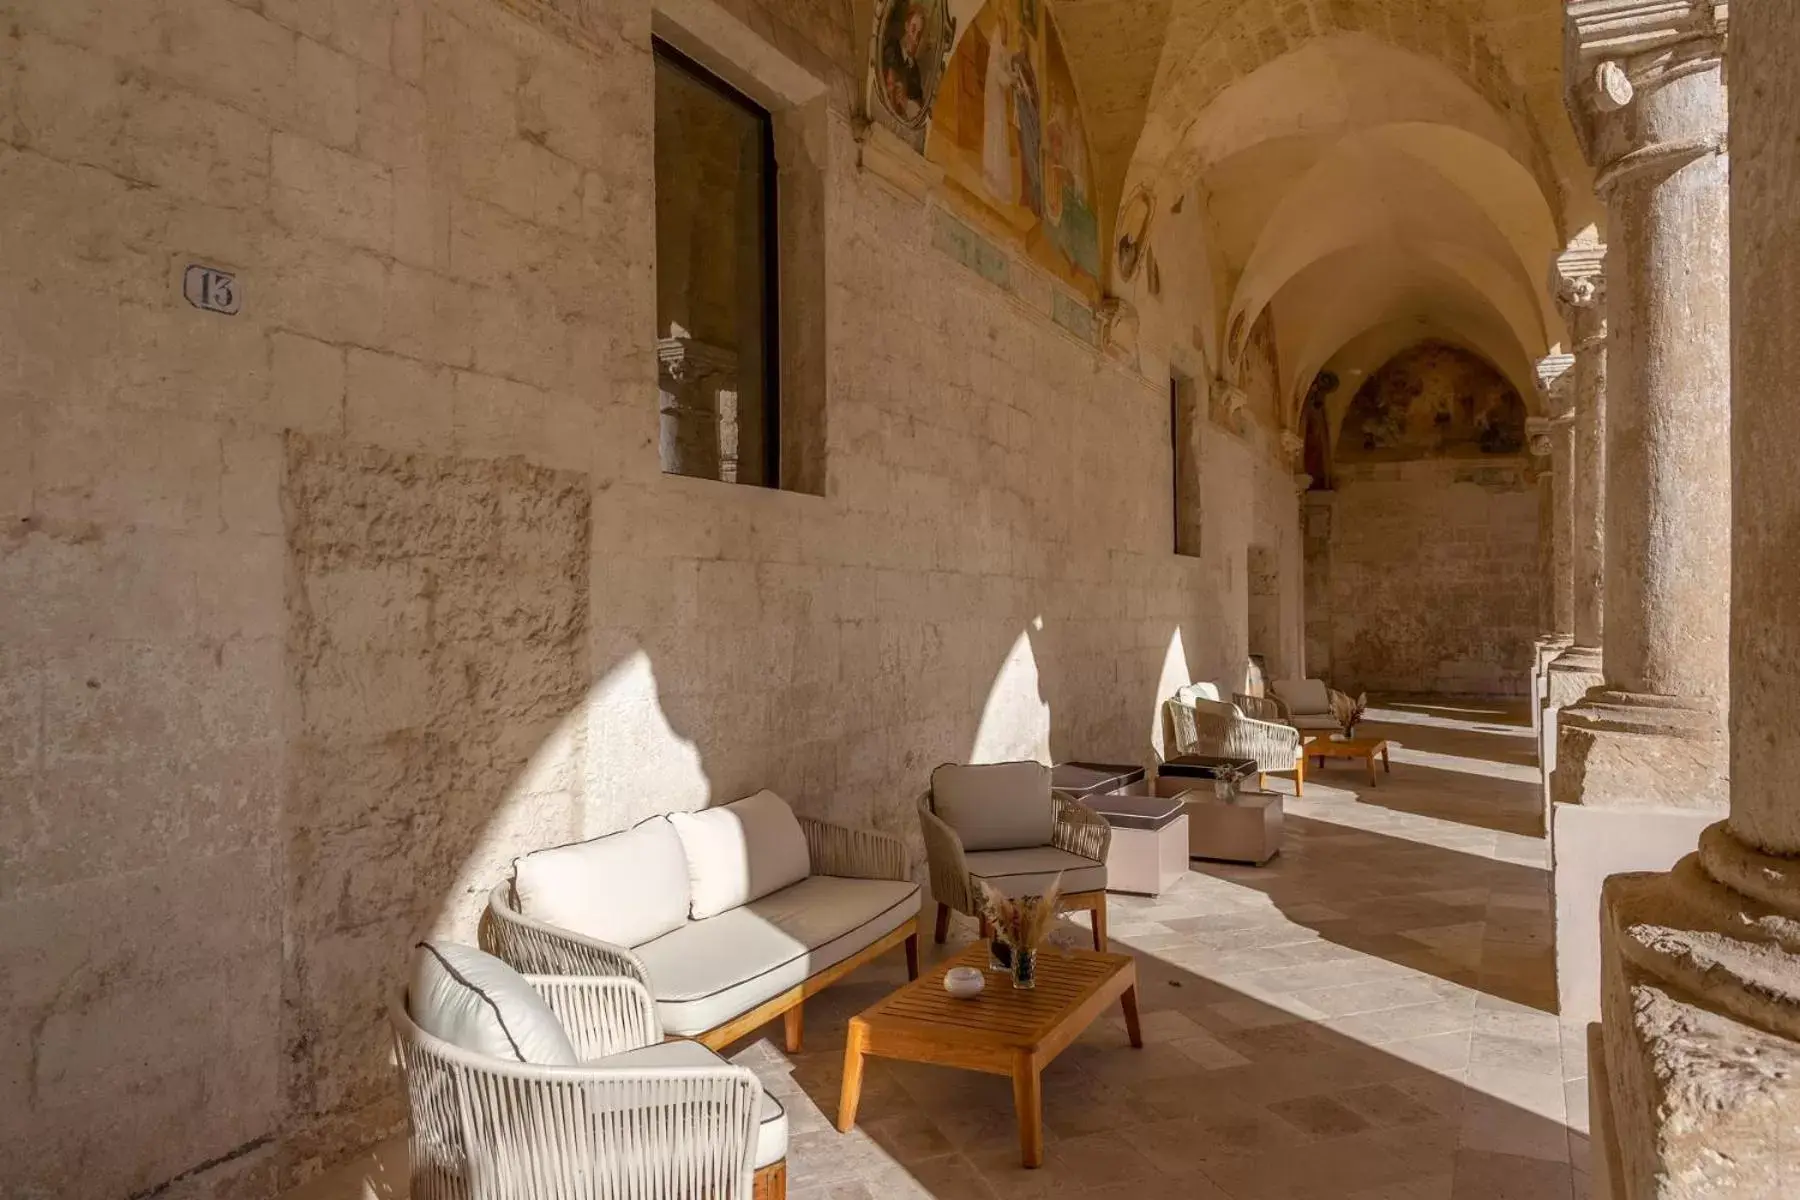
(772, 1126)
(473, 1000)
(1029, 872)
(624, 888)
(995, 806)
(707, 972)
(740, 851)
(1303, 695)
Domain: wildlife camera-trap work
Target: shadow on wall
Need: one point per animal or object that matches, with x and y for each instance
(457, 706)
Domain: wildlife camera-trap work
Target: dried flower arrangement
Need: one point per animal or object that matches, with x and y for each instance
(1023, 923)
(1348, 712)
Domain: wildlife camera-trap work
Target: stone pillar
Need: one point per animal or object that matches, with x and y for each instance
(1577, 280)
(1640, 761)
(1552, 444)
(1699, 1066)
(697, 381)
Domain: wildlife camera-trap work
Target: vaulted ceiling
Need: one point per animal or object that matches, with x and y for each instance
(1374, 171)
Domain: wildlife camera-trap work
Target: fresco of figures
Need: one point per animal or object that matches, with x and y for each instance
(998, 112)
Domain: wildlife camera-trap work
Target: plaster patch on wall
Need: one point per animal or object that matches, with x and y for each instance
(436, 644)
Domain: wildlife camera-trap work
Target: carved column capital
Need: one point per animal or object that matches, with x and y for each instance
(1538, 435)
(1229, 396)
(1291, 446)
(1615, 53)
(1578, 281)
(1555, 375)
(688, 359)
(1118, 321)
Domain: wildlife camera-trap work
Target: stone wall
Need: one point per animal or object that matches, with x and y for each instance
(1432, 576)
(313, 616)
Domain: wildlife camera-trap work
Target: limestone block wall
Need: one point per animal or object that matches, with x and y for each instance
(315, 615)
(1432, 569)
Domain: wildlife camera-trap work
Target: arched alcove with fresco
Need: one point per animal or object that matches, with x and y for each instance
(1433, 509)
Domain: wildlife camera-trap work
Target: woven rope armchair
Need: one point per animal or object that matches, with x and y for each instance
(1079, 839)
(1207, 725)
(485, 1128)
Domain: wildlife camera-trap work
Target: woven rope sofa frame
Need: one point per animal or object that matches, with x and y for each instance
(530, 946)
(1222, 730)
(1078, 830)
(486, 1129)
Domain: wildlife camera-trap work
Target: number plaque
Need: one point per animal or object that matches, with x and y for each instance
(211, 289)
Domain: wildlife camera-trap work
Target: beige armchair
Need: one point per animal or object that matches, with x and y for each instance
(1307, 705)
(1243, 727)
(1001, 823)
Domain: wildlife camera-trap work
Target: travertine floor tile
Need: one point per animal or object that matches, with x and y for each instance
(1365, 1018)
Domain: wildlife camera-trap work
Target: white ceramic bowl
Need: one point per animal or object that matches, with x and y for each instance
(963, 982)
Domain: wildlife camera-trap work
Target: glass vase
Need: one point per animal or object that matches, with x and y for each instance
(999, 955)
(1024, 969)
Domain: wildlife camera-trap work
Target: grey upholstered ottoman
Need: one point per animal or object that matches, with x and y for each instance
(1149, 849)
(1245, 827)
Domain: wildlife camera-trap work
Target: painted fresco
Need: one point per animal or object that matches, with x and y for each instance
(1001, 118)
(911, 39)
(1433, 401)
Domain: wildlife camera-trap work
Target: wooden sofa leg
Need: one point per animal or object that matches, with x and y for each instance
(1262, 781)
(912, 957)
(1100, 925)
(943, 924)
(771, 1182)
(794, 1025)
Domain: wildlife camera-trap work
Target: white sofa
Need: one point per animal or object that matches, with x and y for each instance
(729, 917)
(549, 1087)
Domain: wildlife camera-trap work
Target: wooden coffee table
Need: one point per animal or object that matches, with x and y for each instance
(1323, 746)
(1002, 1031)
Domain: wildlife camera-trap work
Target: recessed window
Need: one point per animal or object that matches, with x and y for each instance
(717, 300)
(1184, 465)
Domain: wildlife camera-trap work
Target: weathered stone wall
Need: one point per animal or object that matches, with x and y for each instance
(1433, 569)
(311, 617)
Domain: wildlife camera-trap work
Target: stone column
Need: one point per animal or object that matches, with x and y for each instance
(1640, 761)
(1552, 444)
(1698, 1071)
(1577, 280)
(693, 377)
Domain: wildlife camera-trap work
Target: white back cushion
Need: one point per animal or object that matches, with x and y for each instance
(1197, 691)
(1303, 695)
(995, 806)
(475, 1001)
(741, 851)
(625, 888)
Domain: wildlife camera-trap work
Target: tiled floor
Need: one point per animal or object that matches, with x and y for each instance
(1365, 1018)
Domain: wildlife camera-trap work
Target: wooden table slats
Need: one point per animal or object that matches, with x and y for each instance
(1003, 1030)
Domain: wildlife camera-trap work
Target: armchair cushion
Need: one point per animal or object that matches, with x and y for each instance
(1303, 696)
(473, 1000)
(624, 888)
(1029, 872)
(741, 852)
(708, 972)
(1198, 691)
(772, 1124)
(995, 806)
(1315, 723)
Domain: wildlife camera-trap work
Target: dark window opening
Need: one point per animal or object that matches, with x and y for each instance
(717, 347)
